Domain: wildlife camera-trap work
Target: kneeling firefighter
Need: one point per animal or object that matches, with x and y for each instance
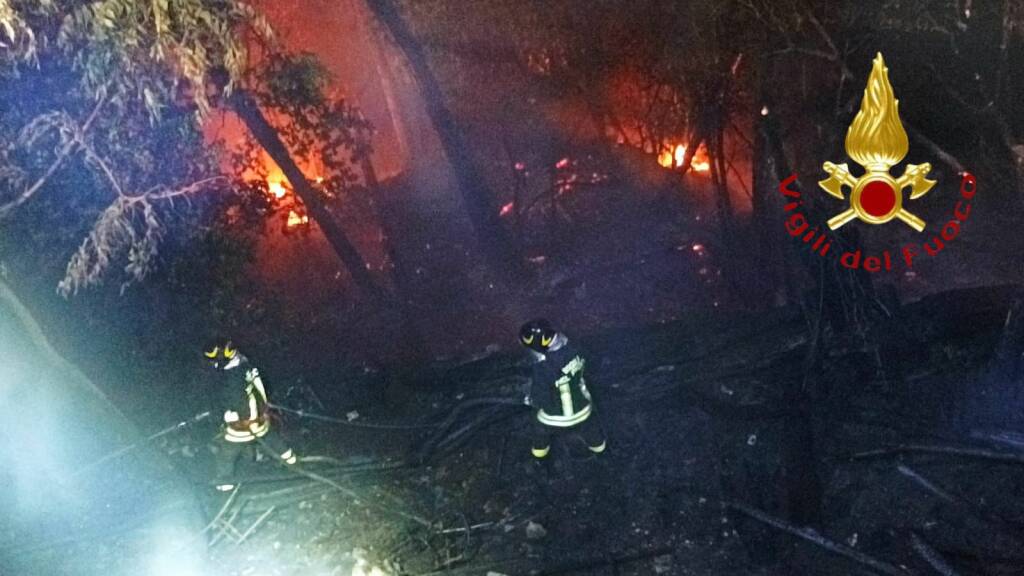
(559, 390)
(242, 401)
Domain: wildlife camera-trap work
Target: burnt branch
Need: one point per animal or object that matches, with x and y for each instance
(811, 535)
(932, 556)
(969, 453)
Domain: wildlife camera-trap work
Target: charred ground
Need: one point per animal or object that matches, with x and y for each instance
(729, 454)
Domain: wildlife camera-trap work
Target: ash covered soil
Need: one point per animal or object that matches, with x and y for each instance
(728, 454)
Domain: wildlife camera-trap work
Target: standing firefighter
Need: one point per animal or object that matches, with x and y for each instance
(243, 405)
(559, 390)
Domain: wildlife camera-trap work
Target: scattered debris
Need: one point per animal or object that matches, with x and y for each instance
(663, 564)
(535, 531)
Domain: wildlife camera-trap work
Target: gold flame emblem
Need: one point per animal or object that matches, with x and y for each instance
(877, 141)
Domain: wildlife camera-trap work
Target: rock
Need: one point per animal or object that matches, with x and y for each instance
(535, 531)
(663, 564)
(352, 415)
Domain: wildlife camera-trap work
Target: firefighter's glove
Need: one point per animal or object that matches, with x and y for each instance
(231, 416)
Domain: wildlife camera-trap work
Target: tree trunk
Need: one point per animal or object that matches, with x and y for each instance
(410, 335)
(245, 106)
(771, 168)
(719, 174)
(494, 240)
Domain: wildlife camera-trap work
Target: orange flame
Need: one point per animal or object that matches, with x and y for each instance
(674, 156)
(276, 188)
(295, 219)
(278, 185)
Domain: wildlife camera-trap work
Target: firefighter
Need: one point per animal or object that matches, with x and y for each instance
(243, 409)
(559, 390)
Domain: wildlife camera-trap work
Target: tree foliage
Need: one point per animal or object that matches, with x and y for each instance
(118, 91)
(320, 130)
(108, 85)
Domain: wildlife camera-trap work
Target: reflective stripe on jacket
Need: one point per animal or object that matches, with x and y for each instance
(253, 422)
(559, 389)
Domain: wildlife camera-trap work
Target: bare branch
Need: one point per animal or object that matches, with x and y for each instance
(92, 157)
(163, 193)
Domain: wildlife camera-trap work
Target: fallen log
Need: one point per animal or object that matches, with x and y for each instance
(931, 556)
(974, 453)
(925, 483)
(811, 535)
(960, 503)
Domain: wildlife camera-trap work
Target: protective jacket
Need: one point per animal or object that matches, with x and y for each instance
(243, 402)
(559, 389)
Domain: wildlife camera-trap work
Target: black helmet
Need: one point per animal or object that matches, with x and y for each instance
(537, 335)
(219, 351)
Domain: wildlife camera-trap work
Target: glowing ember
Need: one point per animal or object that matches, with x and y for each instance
(562, 163)
(674, 156)
(507, 209)
(295, 219)
(276, 187)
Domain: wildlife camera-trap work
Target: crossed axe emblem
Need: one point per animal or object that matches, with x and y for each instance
(877, 141)
(877, 197)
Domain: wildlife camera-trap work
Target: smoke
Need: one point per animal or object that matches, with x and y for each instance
(56, 512)
(33, 453)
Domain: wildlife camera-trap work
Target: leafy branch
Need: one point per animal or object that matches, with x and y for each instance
(72, 137)
(131, 225)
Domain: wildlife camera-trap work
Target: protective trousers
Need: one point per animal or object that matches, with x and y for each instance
(270, 444)
(590, 429)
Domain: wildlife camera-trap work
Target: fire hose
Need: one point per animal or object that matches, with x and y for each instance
(346, 422)
(131, 447)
